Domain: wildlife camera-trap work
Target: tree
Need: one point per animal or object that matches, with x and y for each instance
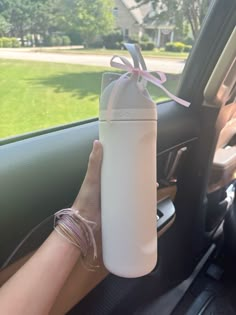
(5, 27)
(88, 18)
(193, 11)
(43, 17)
(17, 15)
(29, 16)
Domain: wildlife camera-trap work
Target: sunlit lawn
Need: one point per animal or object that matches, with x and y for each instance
(37, 95)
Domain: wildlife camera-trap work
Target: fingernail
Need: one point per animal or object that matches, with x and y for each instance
(95, 144)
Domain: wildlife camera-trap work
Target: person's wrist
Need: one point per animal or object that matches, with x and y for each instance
(76, 230)
(62, 249)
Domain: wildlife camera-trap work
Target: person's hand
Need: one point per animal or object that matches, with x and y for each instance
(88, 200)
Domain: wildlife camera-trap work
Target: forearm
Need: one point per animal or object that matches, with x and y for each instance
(34, 288)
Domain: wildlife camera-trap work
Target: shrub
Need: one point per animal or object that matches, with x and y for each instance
(46, 40)
(150, 46)
(133, 40)
(9, 42)
(97, 43)
(29, 40)
(49, 40)
(75, 38)
(113, 40)
(175, 47)
(117, 45)
(147, 45)
(15, 42)
(187, 48)
(66, 40)
(188, 41)
(58, 40)
(6, 42)
(145, 38)
(169, 47)
(53, 40)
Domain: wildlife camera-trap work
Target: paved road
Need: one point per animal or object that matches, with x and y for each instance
(161, 64)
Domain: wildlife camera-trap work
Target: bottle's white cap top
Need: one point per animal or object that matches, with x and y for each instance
(126, 97)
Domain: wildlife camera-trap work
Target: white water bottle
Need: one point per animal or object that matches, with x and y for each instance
(128, 132)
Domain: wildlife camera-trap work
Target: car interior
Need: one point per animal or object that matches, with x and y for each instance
(41, 172)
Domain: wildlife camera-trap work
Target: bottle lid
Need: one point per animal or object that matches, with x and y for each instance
(125, 96)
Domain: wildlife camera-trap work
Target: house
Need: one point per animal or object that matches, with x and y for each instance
(136, 21)
(129, 20)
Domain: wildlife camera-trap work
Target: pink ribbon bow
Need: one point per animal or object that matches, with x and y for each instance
(141, 74)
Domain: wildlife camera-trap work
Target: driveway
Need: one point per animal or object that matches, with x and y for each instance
(161, 64)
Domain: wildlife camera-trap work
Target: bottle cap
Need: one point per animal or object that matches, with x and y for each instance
(124, 96)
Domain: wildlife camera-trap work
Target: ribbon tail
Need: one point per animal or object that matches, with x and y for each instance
(173, 97)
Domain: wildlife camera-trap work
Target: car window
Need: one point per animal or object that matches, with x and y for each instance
(53, 53)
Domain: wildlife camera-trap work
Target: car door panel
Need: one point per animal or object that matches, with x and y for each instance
(43, 174)
(39, 176)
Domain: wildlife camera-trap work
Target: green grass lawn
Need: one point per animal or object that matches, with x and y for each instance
(37, 95)
(151, 54)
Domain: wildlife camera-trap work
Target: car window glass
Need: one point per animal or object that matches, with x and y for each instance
(53, 53)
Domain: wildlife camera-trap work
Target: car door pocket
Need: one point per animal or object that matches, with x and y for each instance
(165, 215)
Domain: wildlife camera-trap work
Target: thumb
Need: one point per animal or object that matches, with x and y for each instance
(95, 163)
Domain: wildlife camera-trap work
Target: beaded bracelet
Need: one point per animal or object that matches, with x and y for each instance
(76, 229)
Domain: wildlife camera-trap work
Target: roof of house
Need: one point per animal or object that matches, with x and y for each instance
(138, 12)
